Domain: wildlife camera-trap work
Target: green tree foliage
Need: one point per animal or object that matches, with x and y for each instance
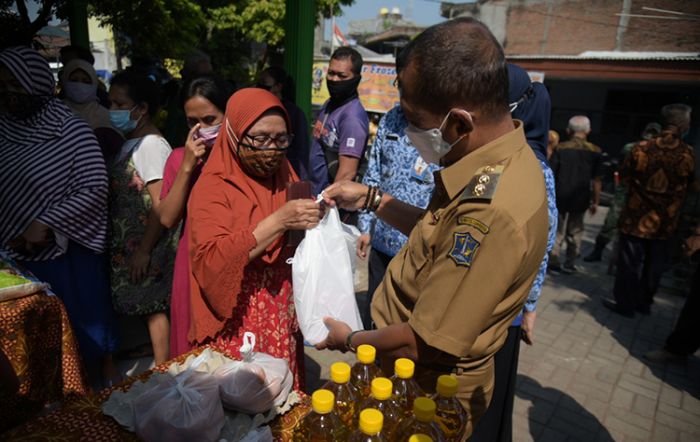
(227, 29)
(224, 28)
(16, 25)
(152, 28)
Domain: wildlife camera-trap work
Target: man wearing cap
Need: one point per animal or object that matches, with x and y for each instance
(449, 296)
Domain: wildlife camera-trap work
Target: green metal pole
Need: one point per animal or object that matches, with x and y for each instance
(299, 48)
(78, 19)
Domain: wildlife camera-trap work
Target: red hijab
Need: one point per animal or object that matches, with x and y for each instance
(225, 206)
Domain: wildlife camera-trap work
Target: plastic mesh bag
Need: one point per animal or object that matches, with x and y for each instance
(322, 277)
(256, 383)
(184, 408)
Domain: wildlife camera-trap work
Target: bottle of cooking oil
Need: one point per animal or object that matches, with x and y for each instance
(450, 416)
(422, 422)
(406, 389)
(420, 438)
(381, 399)
(364, 370)
(371, 422)
(321, 424)
(345, 394)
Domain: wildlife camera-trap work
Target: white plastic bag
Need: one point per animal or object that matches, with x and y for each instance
(322, 277)
(184, 408)
(256, 383)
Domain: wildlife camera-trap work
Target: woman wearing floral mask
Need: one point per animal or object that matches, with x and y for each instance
(79, 89)
(142, 253)
(237, 217)
(204, 102)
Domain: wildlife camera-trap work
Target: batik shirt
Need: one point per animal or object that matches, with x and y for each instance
(657, 172)
(397, 169)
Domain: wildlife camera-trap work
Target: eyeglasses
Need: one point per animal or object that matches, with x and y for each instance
(266, 142)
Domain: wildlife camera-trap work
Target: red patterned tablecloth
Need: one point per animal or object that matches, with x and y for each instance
(82, 419)
(36, 337)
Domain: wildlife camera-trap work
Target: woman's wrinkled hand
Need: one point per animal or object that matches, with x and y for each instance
(301, 214)
(194, 150)
(35, 237)
(347, 195)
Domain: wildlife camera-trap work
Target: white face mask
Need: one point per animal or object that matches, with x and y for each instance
(429, 143)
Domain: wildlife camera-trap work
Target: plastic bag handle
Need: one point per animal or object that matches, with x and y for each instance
(248, 345)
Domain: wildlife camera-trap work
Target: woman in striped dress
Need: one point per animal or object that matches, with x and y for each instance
(53, 202)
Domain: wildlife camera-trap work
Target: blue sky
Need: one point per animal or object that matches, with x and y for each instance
(424, 12)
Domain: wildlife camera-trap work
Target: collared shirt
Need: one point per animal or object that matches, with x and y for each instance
(397, 169)
(575, 163)
(657, 172)
(342, 131)
(469, 263)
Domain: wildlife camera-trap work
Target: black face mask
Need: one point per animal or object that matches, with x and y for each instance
(21, 106)
(343, 91)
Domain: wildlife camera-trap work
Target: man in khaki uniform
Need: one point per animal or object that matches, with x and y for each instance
(450, 294)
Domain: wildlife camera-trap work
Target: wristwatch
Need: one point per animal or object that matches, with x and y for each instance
(348, 341)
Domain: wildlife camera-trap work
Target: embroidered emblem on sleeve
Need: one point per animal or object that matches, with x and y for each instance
(464, 249)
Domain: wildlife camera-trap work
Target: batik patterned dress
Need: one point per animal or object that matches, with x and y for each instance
(266, 308)
(130, 204)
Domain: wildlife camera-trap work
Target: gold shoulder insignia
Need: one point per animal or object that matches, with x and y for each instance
(483, 184)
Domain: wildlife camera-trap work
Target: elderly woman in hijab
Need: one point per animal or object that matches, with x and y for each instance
(238, 214)
(529, 103)
(54, 200)
(79, 86)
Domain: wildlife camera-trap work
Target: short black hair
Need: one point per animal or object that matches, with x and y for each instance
(210, 86)
(80, 52)
(280, 76)
(458, 63)
(401, 60)
(140, 88)
(345, 52)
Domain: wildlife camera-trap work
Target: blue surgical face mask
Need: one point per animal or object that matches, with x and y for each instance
(121, 120)
(429, 143)
(80, 92)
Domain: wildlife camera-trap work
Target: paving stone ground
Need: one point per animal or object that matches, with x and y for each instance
(585, 379)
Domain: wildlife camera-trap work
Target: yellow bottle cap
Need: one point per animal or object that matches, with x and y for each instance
(446, 385)
(424, 409)
(371, 421)
(340, 372)
(381, 388)
(420, 438)
(366, 354)
(322, 401)
(404, 368)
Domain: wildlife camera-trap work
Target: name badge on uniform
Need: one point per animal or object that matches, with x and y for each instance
(420, 169)
(464, 249)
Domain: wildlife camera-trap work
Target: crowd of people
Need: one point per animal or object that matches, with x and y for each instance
(463, 177)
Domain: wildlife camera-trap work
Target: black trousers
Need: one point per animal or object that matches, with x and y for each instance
(378, 262)
(685, 339)
(496, 425)
(641, 262)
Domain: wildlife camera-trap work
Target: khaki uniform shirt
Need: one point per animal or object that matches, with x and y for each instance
(468, 265)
